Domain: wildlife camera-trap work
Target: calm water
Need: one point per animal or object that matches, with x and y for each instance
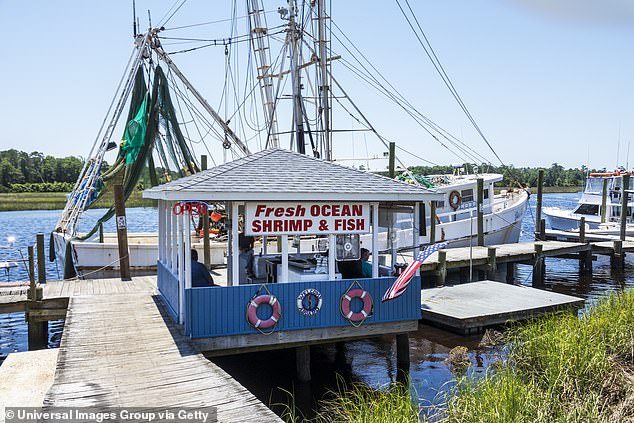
(269, 375)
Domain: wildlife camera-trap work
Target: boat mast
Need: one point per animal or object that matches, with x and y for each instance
(298, 110)
(156, 46)
(324, 88)
(261, 48)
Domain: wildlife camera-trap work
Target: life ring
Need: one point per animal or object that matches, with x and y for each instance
(252, 308)
(454, 200)
(309, 302)
(358, 316)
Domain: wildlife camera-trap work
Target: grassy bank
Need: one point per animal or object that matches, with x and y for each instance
(57, 201)
(558, 369)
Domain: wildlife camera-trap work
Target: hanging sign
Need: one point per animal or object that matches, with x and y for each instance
(195, 208)
(121, 223)
(287, 218)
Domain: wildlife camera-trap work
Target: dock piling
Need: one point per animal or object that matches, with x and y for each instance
(480, 212)
(432, 222)
(510, 272)
(402, 356)
(617, 259)
(492, 264)
(604, 199)
(625, 186)
(122, 233)
(538, 266)
(41, 258)
(205, 217)
(302, 360)
(441, 272)
(585, 257)
(538, 210)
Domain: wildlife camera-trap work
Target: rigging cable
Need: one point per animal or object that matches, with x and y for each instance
(442, 73)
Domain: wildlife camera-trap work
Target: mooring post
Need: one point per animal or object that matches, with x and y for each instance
(391, 166)
(617, 259)
(205, 217)
(510, 272)
(492, 263)
(41, 258)
(480, 212)
(441, 271)
(625, 186)
(37, 331)
(101, 233)
(604, 200)
(432, 222)
(538, 266)
(302, 361)
(402, 356)
(538, 208)
(585, 257)
(122, 233)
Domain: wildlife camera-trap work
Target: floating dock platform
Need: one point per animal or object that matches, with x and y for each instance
(469, 308)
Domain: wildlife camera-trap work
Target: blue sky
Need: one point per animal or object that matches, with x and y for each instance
(547, 81)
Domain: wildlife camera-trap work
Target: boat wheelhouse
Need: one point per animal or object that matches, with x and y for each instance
(309, 294)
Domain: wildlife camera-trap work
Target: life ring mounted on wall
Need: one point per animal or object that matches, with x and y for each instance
(252, 308)
(366, 310)
(454, 200)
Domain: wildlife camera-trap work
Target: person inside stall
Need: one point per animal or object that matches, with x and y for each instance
(366, 266)
(200, 275)
(245, 244)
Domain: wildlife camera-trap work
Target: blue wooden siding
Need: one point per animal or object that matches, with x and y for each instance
(168, 288)
(222, 311)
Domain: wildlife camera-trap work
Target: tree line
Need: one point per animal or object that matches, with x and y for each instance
(35, 172)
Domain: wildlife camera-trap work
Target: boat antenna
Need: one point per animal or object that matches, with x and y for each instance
(134, 27)
(149, 18)
(627, 158)
(618, 146)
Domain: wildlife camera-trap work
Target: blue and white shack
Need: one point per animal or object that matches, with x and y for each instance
(309, 220)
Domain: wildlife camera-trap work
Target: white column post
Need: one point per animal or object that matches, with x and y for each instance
(174, 244)
(375, 240)
(284, 276)
(332, 247)
(415, 232)
(161, 229)
(265, 246)
(235, 249)
(187, 256)
(181, 270)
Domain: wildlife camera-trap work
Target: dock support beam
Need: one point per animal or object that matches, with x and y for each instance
(492, 265)
(441, 271)
(480, 212)
(538, 266)
(604, 200)
(402, 356)
(302, 361)
(539, 235)
(37, 331)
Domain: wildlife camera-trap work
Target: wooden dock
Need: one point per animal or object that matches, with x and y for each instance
(471, 307)
(119, 348)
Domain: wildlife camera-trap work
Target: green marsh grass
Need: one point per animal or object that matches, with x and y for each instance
(57, 201)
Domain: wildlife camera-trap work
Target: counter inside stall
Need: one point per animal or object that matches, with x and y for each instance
(303, 267)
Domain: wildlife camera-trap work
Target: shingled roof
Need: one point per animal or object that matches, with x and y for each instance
(278, 174)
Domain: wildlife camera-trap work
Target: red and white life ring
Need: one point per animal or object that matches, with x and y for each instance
(252, 308)
(454, 200)
(361, 315)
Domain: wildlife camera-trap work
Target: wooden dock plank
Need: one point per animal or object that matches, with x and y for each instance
(122, 350)
(473, 306)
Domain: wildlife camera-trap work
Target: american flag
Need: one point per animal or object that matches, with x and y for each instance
(400, 285)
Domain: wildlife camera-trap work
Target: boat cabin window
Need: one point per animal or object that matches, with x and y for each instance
(594, 185)
(440, 204)
(589, 209)
(467, 195)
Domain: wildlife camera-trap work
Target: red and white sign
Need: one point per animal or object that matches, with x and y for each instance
(288, 218)
(195, 208)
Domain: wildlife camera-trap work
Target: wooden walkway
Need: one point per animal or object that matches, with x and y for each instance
(470, 307)
(119, 348)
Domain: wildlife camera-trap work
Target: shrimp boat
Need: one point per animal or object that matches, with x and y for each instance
(299, 99)
(599, 205)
